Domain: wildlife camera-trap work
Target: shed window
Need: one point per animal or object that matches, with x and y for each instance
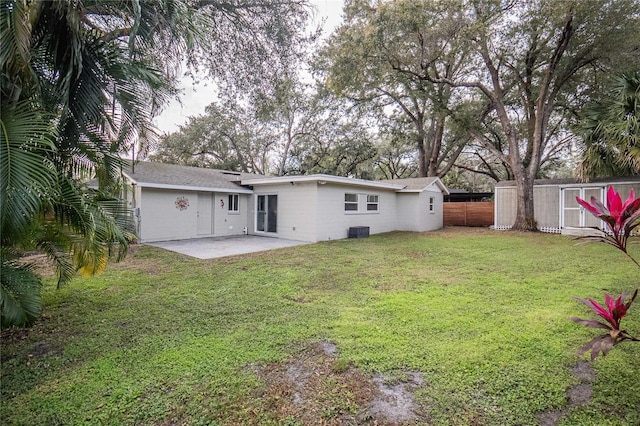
(351, 202)
(372, 203)
(432, 204)
(234, 203)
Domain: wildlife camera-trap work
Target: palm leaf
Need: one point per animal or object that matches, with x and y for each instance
(20, 299)
(95, 225)
(27, 175)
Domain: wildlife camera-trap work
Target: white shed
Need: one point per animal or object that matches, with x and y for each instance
(555, 207)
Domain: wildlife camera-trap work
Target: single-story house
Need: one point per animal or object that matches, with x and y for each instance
(172, 202)
(555, 207)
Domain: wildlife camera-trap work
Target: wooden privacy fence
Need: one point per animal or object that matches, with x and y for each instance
(468, 214)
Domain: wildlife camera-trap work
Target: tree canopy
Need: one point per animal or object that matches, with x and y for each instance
(381, 57)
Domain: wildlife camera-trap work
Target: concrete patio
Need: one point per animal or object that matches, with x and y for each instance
(214, 247)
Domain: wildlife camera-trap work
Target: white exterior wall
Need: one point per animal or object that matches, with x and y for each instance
(414, 214)
(408, 211)
(160, 220)
(505, 206)
(297, 208)
(230, 223)
(334, 222)
(547, 203)
(432, 220)
(307, 211)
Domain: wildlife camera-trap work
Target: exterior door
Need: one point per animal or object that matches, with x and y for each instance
(573, 215)
(205, 213)
(267, 213)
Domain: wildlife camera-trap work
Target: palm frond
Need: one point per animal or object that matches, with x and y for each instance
(27, 175)
(611, 132)
(18, 78)
(95, 224)
(20, 291)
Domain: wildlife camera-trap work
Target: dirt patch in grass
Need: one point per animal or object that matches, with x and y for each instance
(45, 269)
(41, 264)
(455, 231)
(316, 387)
(135, 262)
(577, 395)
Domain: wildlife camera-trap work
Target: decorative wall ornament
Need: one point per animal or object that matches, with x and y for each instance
(182, 203)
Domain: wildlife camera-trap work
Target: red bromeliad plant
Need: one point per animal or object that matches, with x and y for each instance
(621, 219)
(615, 310)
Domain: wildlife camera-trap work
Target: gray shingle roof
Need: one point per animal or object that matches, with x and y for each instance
(172, 174)
(412, 183)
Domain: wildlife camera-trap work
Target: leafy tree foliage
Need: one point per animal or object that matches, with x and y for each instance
(228, 137)
(381, 57)
(611, 130)
(293, 130)
(288, 111)
(337, 139)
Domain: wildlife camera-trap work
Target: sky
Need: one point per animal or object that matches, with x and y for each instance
(196, 96)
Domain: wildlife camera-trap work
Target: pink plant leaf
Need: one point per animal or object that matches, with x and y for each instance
(590, 207)
(630, 200)
(621, 219)
(590, 323)
(599, 344)
(610, 302)
(614, 202)
(598, 309)
(597, 204)
(628, 304)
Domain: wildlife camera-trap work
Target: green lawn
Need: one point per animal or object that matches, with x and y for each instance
(166, 339)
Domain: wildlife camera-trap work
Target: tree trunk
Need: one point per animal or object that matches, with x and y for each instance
(436, 145)
(525, 219)
(422, 157)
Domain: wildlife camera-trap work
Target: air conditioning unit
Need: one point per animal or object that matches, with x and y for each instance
(358, 232)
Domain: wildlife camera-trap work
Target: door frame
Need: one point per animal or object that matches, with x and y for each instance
(255, 217)
(210, 210)
(583, 212)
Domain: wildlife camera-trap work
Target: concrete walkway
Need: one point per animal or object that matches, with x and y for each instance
(214, 247)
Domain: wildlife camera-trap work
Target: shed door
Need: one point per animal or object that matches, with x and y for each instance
(205, 216)
(575, 216)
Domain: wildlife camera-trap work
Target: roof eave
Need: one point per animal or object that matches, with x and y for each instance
(437, 182)
(192, 188)
(322, 179)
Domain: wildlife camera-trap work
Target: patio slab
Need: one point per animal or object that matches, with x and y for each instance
(215, 247)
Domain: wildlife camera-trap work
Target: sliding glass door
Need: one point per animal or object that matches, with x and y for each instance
(267, 213)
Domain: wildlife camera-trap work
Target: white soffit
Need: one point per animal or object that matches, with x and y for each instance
(322, 179)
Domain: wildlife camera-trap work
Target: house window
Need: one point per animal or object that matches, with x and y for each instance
(432, 204)
(234, 203)
(351, 202)
(372, 203)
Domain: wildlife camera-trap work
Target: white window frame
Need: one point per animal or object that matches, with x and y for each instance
(371, 203)
(234, 204)
(432, 204)
(351, 203)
